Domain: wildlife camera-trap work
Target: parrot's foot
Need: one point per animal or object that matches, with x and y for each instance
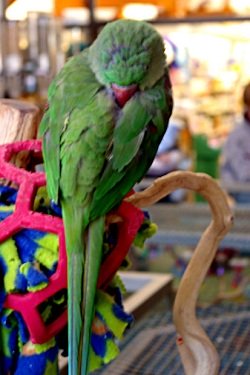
(113, 219)
(28, 349)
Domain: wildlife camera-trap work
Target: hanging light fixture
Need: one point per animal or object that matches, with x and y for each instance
(18, 10)
(140, 11)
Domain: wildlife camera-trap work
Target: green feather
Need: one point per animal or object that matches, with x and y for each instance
(91, 272)
(135, 116)
(75, 260)
(66, 92)
(125, 152)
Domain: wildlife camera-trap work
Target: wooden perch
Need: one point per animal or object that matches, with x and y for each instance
(18, 122)
(198, 354)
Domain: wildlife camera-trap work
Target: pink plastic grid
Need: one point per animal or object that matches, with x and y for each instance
(23, 217)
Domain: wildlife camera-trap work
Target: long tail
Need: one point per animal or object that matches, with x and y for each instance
(84, 259)
(91, 272)
(75, 261)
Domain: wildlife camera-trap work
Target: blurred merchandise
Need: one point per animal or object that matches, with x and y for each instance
(206, 159)
(13, 61)
(2, 81)
(31, 53)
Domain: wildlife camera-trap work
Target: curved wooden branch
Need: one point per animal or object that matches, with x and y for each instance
(198, 354)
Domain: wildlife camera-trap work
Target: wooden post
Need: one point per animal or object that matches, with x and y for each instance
(198, 354)
(18, 122)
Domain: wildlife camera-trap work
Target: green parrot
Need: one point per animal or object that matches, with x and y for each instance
(108, 110)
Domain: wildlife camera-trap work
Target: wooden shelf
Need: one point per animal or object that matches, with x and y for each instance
(175, 20)
(145, 289)
(201, 19)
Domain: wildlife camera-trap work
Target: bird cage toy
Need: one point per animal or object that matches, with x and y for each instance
(33, 304)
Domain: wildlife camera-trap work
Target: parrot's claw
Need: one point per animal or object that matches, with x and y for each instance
(113, 219)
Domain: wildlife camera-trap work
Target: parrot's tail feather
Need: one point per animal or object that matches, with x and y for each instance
(84, 262)
(75, 318)
(73, 218)
(91, 272)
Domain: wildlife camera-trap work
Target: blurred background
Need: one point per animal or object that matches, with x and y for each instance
(207, 46)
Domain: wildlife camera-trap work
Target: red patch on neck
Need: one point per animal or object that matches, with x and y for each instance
(123, 93)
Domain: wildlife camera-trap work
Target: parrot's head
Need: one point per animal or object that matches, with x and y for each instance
(128, 55)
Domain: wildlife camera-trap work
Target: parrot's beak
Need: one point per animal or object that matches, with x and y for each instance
(123, 93)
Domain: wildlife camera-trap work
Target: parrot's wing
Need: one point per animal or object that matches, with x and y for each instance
(129, 133)
(77, 130)
(94, 254)
(84, 143)
(83, 147)
(136, 140)
(66, 93)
